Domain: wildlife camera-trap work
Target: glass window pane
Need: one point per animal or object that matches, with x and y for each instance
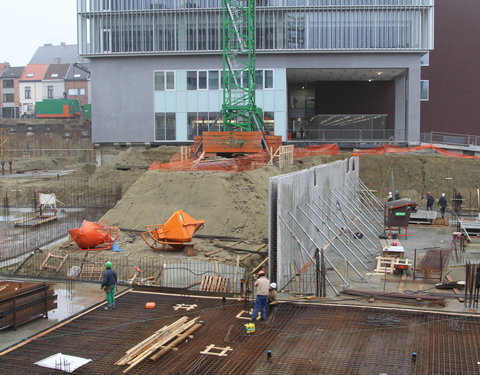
(268, 121)
(191, 125)
(170, 80)
(424, 90)
(159, 81)
(202, 80)
(160, 126)
(268, 79)
(170, 127)
(191, 80)
(259, 79)
(213, 79)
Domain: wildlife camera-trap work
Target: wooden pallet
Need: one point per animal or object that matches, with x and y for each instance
(214, 284)
(222, 351)
(51, 256)
(91, 271)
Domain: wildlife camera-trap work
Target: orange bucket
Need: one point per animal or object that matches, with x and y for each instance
(150, 305)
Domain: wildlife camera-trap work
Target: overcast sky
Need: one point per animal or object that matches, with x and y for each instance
(26, 25)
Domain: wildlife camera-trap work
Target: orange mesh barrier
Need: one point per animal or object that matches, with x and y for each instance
(232, 165)
(317, 150)
(252, 161)
(239, 163)
(386, 149)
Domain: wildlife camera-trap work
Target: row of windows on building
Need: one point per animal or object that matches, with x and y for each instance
(406, 29)
(197, 123)
(212, 80)
(181, 4)
(10, 98)
(28, 93)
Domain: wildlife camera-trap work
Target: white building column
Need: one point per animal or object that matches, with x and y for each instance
(413, 104)
(400, 108)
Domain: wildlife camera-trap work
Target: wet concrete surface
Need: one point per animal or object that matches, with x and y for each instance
(72, 298)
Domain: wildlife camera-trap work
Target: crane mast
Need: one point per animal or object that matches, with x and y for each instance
(239, 46)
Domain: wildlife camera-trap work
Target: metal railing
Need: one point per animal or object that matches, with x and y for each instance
(450, 138)
(353, 135)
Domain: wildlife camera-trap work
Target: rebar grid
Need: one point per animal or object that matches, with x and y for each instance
(304, 339)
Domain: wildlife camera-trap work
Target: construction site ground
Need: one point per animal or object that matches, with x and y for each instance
(301, 339)
(235, 205)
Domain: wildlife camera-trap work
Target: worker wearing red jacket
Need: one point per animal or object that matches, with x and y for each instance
(261, 302)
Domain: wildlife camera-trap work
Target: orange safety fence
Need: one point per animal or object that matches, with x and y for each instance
(232, 165)
(316, 150)
(386, 149)
(237, 164)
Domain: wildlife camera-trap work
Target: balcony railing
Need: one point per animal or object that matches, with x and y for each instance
(450, 138)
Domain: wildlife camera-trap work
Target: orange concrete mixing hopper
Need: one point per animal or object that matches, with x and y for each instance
(178, 230)
(94, 236)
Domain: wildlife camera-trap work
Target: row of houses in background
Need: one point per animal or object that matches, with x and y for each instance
(54, 72)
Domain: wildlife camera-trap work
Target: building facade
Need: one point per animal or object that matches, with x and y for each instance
(31, 88)
(452, 94)
(10, 93)
(325, 68)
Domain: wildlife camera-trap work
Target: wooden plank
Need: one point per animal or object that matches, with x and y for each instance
(259, 265)
(455, 290)
(153, 348)
(177, 341)
(250, 254)
(213, 252)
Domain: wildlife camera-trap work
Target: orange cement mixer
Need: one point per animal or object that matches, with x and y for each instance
(174, 234)
(94, 236)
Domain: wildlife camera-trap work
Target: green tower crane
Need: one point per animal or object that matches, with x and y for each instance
(238, 42)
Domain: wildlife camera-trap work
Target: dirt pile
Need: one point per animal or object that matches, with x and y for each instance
(415, 174)
(236, 204)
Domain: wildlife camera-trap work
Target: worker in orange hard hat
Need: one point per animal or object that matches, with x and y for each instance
(261, 301)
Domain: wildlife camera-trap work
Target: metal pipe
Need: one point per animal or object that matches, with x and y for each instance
(352, 221)
(373, 196)
(340, 219)
(371, 209)
(336, 236)
(357, 215)
(337, 227)
(367, 210)
(331, 243)
(306, 252)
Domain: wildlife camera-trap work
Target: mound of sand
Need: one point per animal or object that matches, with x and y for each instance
(236, 204)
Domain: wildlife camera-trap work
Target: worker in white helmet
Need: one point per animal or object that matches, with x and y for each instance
(272, 297)
(442, 202)
(390, 197)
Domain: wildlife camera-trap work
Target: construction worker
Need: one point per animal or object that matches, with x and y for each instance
(457, 202)
(261, 302)
(390, 196)
(397, 195)
(430, 201)
(272, 297)
(442, 202)
(108, 284)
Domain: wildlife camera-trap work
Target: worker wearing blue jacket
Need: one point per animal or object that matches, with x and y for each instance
(108, 284)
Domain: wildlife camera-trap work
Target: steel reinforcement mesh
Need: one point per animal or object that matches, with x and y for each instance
(303, 339)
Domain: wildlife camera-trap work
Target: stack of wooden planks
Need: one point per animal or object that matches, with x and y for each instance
(214, 284)
(159, 343)
(21, 302)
